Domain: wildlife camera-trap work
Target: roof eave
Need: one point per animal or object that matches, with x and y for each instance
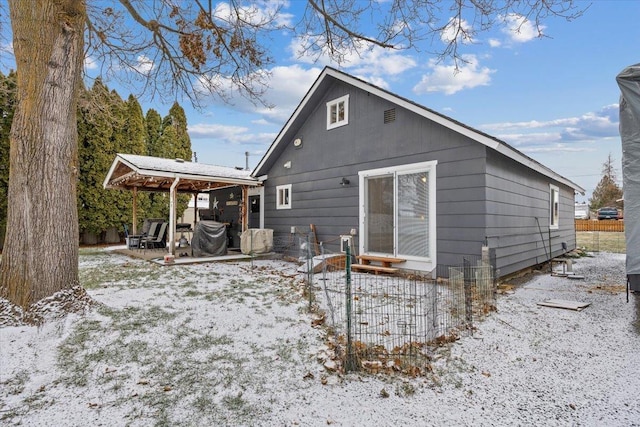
(484, 139)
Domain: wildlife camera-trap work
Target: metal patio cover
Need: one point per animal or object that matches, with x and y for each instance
(145, 173)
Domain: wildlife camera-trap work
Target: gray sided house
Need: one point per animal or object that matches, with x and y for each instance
(409, 183)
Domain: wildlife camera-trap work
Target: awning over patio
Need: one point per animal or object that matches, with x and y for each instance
(144, 173)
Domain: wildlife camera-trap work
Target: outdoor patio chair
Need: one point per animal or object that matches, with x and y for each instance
(155, 241)
(153, 229)
(133, 240)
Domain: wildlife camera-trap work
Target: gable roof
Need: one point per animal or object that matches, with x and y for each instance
(330, 75)
(157, 174)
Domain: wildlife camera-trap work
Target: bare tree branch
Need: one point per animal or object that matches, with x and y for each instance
(202, 48)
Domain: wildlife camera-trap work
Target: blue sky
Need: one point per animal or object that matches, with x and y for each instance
(554, 98)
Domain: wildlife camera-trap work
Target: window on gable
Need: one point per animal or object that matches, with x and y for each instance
(554, 206)
(283, 196)
(338, 112)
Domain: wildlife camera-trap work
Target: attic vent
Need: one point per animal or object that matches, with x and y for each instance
(390, 115)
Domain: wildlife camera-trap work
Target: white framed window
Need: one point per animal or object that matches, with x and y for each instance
(283, 196)
(338, 112)
(398, 212)
(554, 206)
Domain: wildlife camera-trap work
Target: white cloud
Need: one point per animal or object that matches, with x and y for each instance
(584, 128)
(228, 134)
(585, 133)
(379, 62)
(519, 29)
(373, 63)
(445, 78)
(557, 148)
(287, 85)
(259, 13)
(144, 64)
(90, 63)
(6, 48)
(495, 43)
(457, 29)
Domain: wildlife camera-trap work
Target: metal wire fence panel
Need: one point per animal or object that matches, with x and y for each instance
(395, 321)
(601, 241)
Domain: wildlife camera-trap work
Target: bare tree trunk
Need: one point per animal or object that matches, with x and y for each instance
(40, 254)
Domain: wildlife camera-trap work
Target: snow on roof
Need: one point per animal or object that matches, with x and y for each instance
(180, 166)
(148, 173)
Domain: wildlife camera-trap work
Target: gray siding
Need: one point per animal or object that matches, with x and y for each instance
(518, 215)
(367, 143)
(481, 195)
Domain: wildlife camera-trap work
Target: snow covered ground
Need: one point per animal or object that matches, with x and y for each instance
(233, 344)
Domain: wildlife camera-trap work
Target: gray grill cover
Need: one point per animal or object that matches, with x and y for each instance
(209, 239)
(629, 82)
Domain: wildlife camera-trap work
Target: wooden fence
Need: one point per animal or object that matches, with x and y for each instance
(604, 225)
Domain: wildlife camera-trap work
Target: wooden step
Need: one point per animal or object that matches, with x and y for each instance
(369, 258)
(374, 268)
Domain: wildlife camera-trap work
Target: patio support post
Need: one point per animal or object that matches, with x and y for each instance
(134, 218)
(172, 216)
(195, 211)
(243, 209)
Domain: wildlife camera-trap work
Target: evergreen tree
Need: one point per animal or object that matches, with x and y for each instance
(182, 148)
(134, 141)
(182, 143)
(159, 202)
(607, 192)
(7, 108)
(107, 125)
(133, 128)
(97, 207)
(153, 125)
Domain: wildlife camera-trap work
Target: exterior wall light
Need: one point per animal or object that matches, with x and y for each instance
(344, 182)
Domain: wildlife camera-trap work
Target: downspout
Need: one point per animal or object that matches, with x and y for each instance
(172, 216)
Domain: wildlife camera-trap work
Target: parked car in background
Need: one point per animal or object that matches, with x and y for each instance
(608, 213)
(582, 211)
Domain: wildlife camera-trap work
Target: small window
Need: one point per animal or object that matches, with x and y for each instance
(554, 206)
(283, 196)
(338, 112)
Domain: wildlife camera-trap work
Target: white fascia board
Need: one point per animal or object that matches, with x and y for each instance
(107, 178)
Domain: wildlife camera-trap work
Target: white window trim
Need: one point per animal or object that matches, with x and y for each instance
(553, 189)
(279, 205)
(418, 263)
(338, 123)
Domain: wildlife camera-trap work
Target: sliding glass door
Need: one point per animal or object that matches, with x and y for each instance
(413, 214)
(380, 211)
(396, 214)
